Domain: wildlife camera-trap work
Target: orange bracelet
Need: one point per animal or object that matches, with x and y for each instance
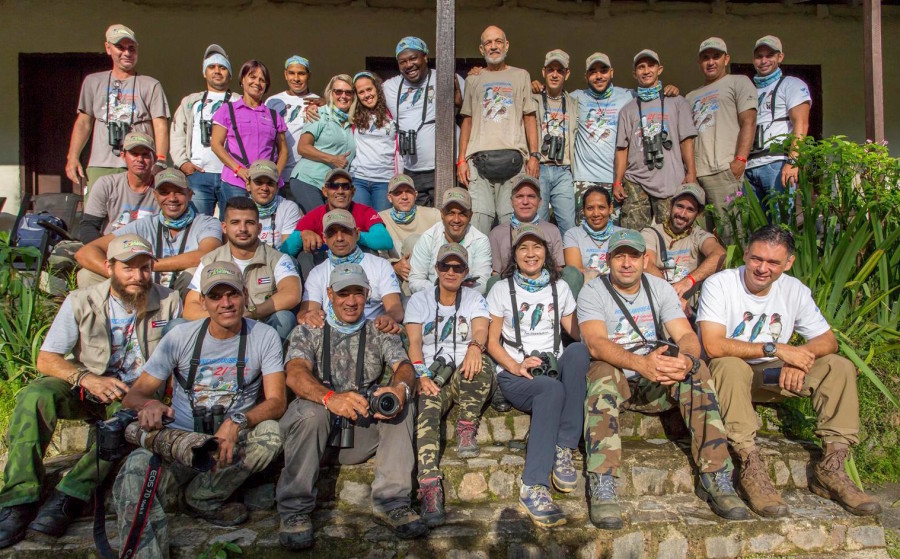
(693, 281)
(325, 398)
(741, 159)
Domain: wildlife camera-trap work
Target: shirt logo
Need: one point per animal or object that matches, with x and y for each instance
(263, 281)
(158, 323)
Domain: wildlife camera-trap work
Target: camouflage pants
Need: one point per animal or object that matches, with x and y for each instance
(609, 392)
(470, 395)
(203, 491)
(581, 187)
(639, 208)
(38, 407)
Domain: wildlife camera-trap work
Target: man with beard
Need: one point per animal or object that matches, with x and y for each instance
(178, 234)
(291, 104)
(278, 216)
(110, 329)
(270, 277)
(679, 251)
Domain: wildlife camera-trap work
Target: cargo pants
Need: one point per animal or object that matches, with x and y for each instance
(639, 209)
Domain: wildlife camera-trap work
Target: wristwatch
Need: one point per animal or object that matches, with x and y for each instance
(239, 419)
(696, 364)
(769, 349)
(406, 389)
(536, 155)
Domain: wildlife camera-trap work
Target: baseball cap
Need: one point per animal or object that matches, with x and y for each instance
(138, 139)
(691, 189)
(770, 41)
(525, 230)
(172, 176)
(125, 247)
(337, 173)
(595, 58)
(626, 238)
(348, 275)
(263, 168)
(215, 54)
(526, 180)
(116, 32)
(459, 196)
(453, 249)
(714, 43)
(400, 180)
(338, 217)
(221, 272)
(558, 55)
(646, 53)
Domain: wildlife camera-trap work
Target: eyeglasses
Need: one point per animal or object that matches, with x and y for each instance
(342, 92)
(345, 186)
(457, 268)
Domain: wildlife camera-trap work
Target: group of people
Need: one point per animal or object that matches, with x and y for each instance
(394, 316)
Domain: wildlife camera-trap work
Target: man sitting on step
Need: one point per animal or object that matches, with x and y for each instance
(623, 317)
(746, 318)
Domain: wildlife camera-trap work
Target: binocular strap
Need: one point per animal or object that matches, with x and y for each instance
(515, 316)
(188, 384)
(326, 356)
(424, 102)
(657, 325)
(662, 114)
(159, 250)
(437, 308)
(134, 97)
(547, 115)
(663, 256)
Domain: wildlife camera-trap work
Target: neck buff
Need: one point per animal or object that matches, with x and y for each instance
(605, 94)
(648, 94)
(763, 82)
(674, 236)
(601, 236)
(532, 285)
(340, 116)
(268, 210)
(340, 325)
(516, 223)
(354, 257)
(403, 218)
(180, 223)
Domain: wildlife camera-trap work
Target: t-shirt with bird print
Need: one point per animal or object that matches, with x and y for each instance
(437, 339)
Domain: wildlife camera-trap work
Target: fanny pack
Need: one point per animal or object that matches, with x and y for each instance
(498, 165)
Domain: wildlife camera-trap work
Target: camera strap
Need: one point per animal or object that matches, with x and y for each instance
(237, 136)
(762, 129)
(326, 356)
(774, 95)
(515, 312)
(663, 255)
(203, 103)
(437, 308)
(424, 102)
(159, 250)
(645, 285)
(188, 384)
(547, 115)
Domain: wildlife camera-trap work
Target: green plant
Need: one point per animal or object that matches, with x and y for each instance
(220, 550)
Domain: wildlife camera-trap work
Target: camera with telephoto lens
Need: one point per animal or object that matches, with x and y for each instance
(118, 435)
(548, 367)
(208, 420)
(205, 132)
(116, 135)
(441, 371)
(407, 142)
(386, 403)
(759, 142)
(553, 148)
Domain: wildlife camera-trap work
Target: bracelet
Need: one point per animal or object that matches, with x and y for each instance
(480, 346)
(238, 168)
(617, 184)
(741, 159)
(325, 398)
(693, 281)
(460, 162)
(161, 157)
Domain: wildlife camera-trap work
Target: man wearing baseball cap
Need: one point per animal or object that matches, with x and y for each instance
(241, 369)
(724, 110)
(113, 103)
(291, 104)
(784, 104)
(654, 147)
(110, 329)
(405, 220)
(278, 216)
(191, 131)
(681, 252)
(634, 364)
(326, 374)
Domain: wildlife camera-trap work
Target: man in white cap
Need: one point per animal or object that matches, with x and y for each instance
(724, 110)
(192, 130)
(405, 221)
(113, 103)
(291, 104)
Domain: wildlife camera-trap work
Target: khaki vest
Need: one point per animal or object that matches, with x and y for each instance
(90, 306)
(259, 275)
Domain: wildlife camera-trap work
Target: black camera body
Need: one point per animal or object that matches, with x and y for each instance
(407, 142)
(442, 371)
(553, 148)
(206, 127)
(548, 367)
(759, 142)
(116, 132)
(111, 444)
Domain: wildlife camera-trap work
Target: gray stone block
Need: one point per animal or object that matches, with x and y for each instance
(356, 493)
(473, 487)
(499, 431)
(648, 481)
(782, 473)
(766, 543)
(800, 473)
(722, 547)
(241, 537)
(512, 460)
(521, 424)
(629, 546)
(807, 540)
(673, 548)
(683, 480)
(502, 484)
(865, 536)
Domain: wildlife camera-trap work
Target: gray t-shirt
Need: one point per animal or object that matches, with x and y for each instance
(113, 199)
(216, 380)
(500, 238)
(595, 303)
(679, 123)
(136, 100)
(593, 255)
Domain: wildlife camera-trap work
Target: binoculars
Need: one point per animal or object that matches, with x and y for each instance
(407, 142)
(442, 371)
(669, 264)
(653, 149)
(206, 132)
(548, 367)
(341, 435)
(208, 420)
(116, 132)
(759, 142)
(553, 148)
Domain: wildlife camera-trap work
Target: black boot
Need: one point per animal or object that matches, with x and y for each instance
(57, 513)
(499, 403)
(13, 521)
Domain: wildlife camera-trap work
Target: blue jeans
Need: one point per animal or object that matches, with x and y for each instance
(305, 195)
(558, 190)
(766, 180)
(227, 191)
(283, 322)
(371, 193)
(207, 189)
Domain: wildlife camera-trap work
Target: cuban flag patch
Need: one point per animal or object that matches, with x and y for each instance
(158, 323)
(263, 281)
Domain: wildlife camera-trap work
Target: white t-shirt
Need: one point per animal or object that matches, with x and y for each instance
(788, 307)
(791, 92)
(203, 156)
(421, 309)
(375, 149)
(381, 276)
(535, 310)
(292, 109)
(284, 269)
(287, 214)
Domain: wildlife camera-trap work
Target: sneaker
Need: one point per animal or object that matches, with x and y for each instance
(716, 489)
(756, 487)
(296, 532)
(536, 501)
(229, 514)
(499, 402)
(829, 480)
(605, 512)
(466, 445)
(431, 495)
(564, 474)
(58, 512)
(13, 521)
(403, 521)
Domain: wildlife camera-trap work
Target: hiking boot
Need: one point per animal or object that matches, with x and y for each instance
(536, 501)
(296, 532)
(466, 445)
(716, 489)
(431, 495)
(564, 475)
(403, 521)
(604, 506)
(756, 487)
(499, 402)
(229, 514)
(58, 512)
(13, 521)
(831, 482)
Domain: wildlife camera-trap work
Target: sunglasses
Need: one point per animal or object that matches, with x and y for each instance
(345, 186)
(457, 268)
(342, 92)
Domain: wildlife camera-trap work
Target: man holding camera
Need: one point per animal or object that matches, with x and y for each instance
(114, 103)
(623, 317)
(747, 317)
(228, 365)
(654, 147)
(335, 372)
(110, 328)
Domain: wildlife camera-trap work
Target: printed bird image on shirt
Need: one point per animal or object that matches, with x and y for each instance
(216, 381)
(536, 315)
(130, 214)
(740, 328)
(497, 104)
(775, 327)
(556, 124)
(522, 308)
(447, 329)
(624, 333)
(209, 109)
(597, 261)
(463, 328)
(757, 328)
(120, 101)
(704, 110)
(430, 326)
(126, 358)
(601, 124)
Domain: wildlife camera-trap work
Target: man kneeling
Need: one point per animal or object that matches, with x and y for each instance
(225, 360)
(335, 372)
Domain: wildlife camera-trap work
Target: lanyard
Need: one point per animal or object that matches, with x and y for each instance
(203, 103)
(437, 308)
(134, 97)
(326, 357)
(424, 102)
(159, 250)
(662, 115)
(188, 384)
(547, 112)
(657, 325)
